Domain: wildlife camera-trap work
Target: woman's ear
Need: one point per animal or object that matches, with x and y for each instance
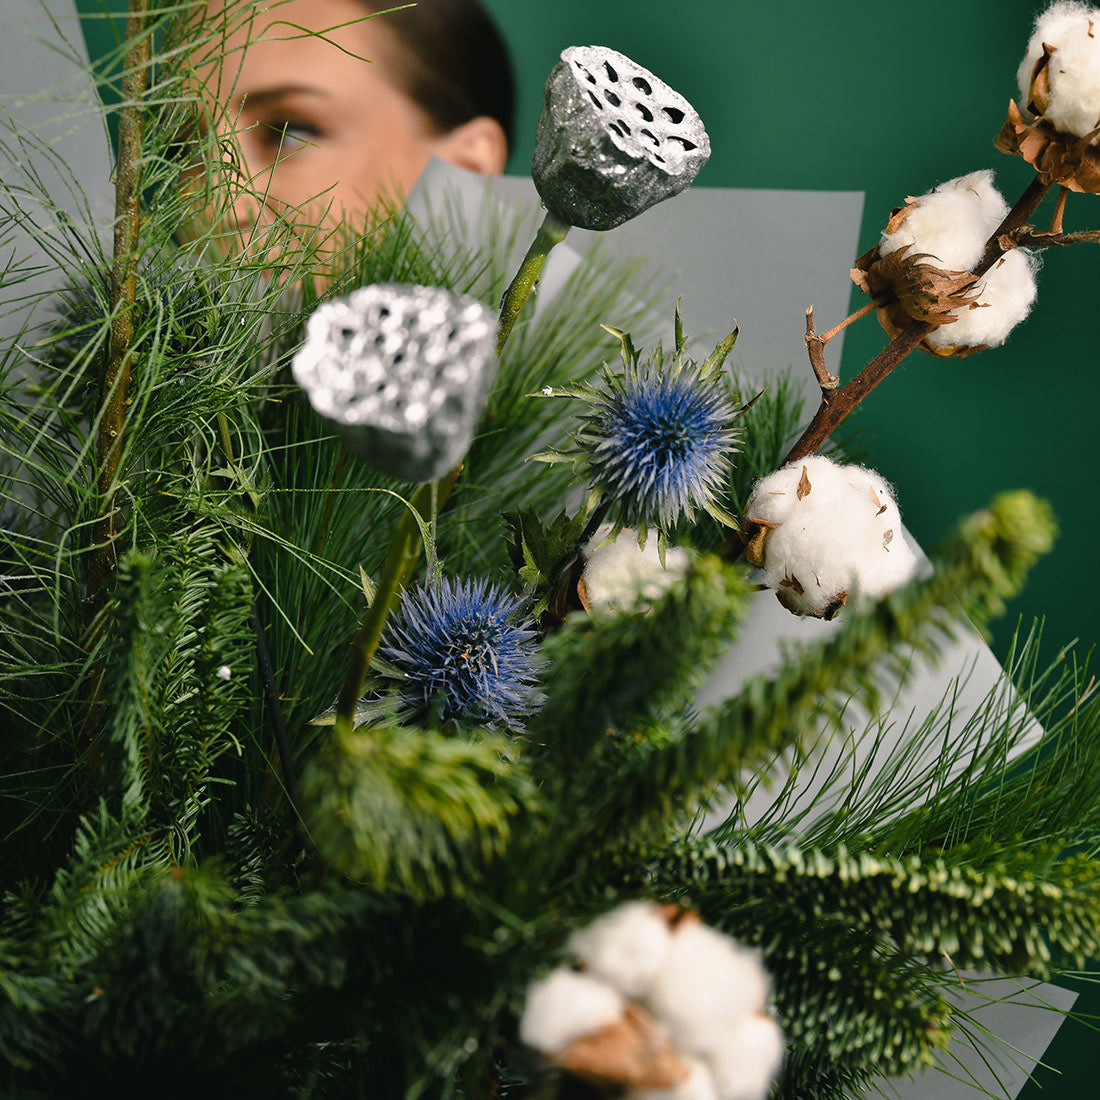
(478, 145)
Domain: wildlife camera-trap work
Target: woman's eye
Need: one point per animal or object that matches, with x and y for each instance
(288, 134)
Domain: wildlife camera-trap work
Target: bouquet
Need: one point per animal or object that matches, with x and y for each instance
(355, 620)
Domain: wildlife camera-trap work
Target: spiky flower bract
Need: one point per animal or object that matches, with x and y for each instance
(462, 650)
(657, 439)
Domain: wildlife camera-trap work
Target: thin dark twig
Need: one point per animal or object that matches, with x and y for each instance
(275, 710)
(1059, 210)
(840, 326)
(1032, 238)
(278, 723)
(815, 345)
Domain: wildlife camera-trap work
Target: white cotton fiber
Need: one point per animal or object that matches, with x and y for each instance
(837, 535)
(626, 948)
(1007, 292)
(564, 1006)
(951, 223)
(1073, 73)
(698, 1086)
(744, 1063)
(620, 576)
(707, 982)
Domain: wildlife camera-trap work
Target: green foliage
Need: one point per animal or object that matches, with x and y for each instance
(542, 552)
(614, 674)
(980, 567)
(413, 810)
(182, 659)
(163, 919)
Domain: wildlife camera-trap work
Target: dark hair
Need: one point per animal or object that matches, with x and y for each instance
(455, 65)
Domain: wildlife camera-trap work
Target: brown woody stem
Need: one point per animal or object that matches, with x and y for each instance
(1031, 239)
(116, 380)
(815, 345)
(840, 326)
(1059, 210)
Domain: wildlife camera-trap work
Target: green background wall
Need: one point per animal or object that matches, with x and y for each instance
(889, 99)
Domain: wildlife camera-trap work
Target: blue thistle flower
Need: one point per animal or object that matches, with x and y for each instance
(461, 650)
(657, 440)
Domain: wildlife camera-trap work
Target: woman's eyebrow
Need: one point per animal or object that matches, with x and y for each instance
(259, 97)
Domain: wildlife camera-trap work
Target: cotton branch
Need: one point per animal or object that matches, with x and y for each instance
(816, 341)
(837, 404)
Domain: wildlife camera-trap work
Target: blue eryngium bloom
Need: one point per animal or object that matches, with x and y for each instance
(656, 439)
(461, 650)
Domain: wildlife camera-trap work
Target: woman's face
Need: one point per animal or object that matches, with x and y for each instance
(321, 123)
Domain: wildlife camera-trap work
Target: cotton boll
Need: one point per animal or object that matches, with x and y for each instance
(619, 575)
(698, 1086)
(832, 532)
(948, 226)
(979, 186)
(707, 982)
(1007, 292)
(1051, 27)
(1073, 74)
(1073, 77)
(951, 223)
(564, 1006)
(746, 1060)
(626, 948)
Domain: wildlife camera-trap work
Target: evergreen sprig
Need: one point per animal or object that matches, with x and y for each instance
(414, 810)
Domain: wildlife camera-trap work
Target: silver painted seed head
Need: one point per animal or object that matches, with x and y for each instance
(402, 373)
(612, 140)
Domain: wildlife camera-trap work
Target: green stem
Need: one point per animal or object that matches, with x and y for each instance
(550, 233)
(398, 568)
(405, 546)
(116, 379)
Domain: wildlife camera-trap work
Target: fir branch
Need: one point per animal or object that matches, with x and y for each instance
(615, 674)
(971, 905)
(413, 810)
(982, 566)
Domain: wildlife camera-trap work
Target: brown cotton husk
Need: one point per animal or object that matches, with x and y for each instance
(1064, 159)
(754, 546)
(635, 1051)
(908, 289)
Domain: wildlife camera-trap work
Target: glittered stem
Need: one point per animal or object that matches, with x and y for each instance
(398, 567)
(551, 232)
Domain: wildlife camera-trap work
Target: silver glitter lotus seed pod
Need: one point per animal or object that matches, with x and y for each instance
(612, 140)
(402, 373)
